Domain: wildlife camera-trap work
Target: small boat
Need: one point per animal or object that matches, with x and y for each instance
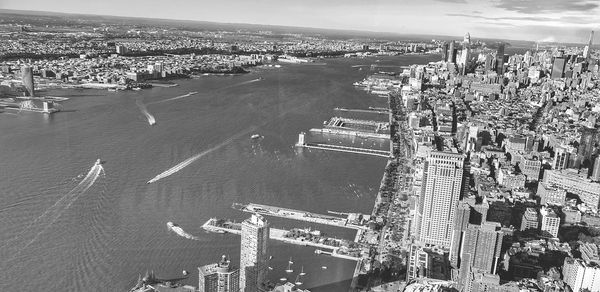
(270, 269)
(282, 279)
(136, 88)
(112, 89)
(302, 273)
(98, 162)
(289, 268)
(323, 267)
(297, 282)
(255, 137)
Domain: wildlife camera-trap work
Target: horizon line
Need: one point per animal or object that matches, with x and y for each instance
(21, 11)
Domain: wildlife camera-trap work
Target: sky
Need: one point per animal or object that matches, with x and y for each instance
(535, 20)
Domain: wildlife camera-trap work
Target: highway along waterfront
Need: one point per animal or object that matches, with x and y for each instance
(116, 229)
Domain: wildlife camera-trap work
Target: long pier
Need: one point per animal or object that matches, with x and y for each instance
(338, 148)
(299, 215)
(279, 235)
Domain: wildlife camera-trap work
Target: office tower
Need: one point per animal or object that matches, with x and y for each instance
(500, 59)
(489, 62)
(218, 277)
(467, 40)
(253, 253)
(558, 68)
(442, 188)
(549, 221)
(561, 158)
(596, 169)
(452, 52)
(587, 144)
(461, 221)
(27, 78)
(580, 275)
(587, 50)
(445, 52)
(481, 247)
(529, 219)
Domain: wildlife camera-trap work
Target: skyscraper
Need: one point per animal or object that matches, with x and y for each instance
(596, 169)
(467, 40)
(587, 144)
(500, 59)
(441, 191)
(482, 243)
(452, 52)
(587, 50)
(445, 52)
(558, 67)
(253, 253)
(561, 158)
(27, 78)
(218, 277)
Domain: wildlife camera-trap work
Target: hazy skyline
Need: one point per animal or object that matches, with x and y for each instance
(536, 20)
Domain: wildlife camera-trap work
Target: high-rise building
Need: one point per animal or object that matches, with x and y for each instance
(441, 191)
(27, 78)
(590, 138)
(482, 243)
(500, 59)
(489, 62)
(452, 52)
(549, 221)
(558, 68)
(580, 275)
(467, 40)
(596, 170)
(587, 50)
(219, 277)
(445, 52)
(253, 254)
(561, 158)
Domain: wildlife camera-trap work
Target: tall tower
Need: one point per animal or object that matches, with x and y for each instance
(442, 179)
(452, 52)
(27, 77)
(500, 59)
(219, 277)
(467, 40)
(253, 254)
(561, 158)
(596, 169)
(587, 145)
(588, 48)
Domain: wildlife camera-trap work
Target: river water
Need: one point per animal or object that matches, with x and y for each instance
(68, 226)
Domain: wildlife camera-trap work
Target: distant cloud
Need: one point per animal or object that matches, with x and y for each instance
(452, 1)
(528, 18)
(545, 6)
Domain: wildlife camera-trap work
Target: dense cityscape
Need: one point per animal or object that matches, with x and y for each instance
(492, 172)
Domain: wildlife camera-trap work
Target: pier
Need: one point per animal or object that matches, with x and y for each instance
(356, 150)
(335, 245)
(301, 215)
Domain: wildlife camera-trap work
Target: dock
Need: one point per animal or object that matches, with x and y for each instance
(212, 225)
(299, 215)
(338, 148)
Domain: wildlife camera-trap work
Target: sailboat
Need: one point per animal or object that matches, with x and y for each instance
(302, 273)
(298, 283)
(289, 268)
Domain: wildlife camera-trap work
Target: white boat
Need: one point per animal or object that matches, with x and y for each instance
(302, 273)
(255, 137)
(297, 282)
(282, 279)
(289, 268)
(323, 267)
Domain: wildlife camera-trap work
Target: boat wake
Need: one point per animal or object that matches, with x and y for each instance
(175, 98)
(242, 83)
(190, 160)
(31, 232)
(179, 231)
(145, 111)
